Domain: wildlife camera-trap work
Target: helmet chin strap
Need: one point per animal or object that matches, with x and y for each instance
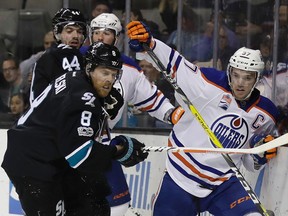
(248, 96)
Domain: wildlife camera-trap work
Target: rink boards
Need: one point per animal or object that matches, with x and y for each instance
(271, 184)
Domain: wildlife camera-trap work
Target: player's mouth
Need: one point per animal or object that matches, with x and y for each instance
(74, 43)
(106, 87)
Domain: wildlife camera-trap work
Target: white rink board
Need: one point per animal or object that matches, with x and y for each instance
(144, 179)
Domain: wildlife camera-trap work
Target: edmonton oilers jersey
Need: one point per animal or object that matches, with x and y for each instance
(233, 122)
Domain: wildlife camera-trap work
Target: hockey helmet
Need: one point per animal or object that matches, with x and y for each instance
(65, 17)
(107, 21)
(248, 60)
(102, 54)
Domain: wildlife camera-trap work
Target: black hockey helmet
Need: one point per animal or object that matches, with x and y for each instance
(103, 54)
(68, 16)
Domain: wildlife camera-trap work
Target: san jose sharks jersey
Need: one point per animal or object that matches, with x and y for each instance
(58, 130)
(56, 61)
(232, 121)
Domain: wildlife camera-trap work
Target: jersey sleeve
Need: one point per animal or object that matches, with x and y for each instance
(41, 75)
(187, 75)
(52, 64)
(137, 90)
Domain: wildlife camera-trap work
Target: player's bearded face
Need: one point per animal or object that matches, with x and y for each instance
(72, 36)
(242, 82)
(106, 36)
(103, 79)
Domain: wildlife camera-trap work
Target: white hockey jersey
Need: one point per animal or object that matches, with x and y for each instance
(233, 123)
(137, 90)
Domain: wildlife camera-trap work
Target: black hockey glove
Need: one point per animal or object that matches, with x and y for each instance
(113, 103)
(132, 152)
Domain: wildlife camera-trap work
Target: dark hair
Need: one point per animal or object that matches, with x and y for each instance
(95, 3)
(137, 12)
(23, 96)
(11, 57)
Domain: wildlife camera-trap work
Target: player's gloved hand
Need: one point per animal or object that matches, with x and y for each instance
(138, 33)
(113, 102)
(132, 152)
(260, 159)
(174, 115)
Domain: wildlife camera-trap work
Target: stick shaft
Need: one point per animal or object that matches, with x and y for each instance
(280, 141)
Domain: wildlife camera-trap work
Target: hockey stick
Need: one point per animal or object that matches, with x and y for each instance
(211, 135)
(280, 141)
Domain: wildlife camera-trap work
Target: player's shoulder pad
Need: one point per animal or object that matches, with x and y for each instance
(130, 62)
(266, 104)
(216, 77)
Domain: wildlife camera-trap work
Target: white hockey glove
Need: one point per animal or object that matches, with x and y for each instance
(132, 152)
(261, 159)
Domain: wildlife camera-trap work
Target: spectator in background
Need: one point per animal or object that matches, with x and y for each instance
(248, 25)
(12, 75)
(4, 85)
(168, 13)
(18, 104)
(3, 107)
(191, 32)
(265, 49)
(99, 7)
(225, 50)
(27, 65)
(202, 52)
(283, 33)
(136, 15)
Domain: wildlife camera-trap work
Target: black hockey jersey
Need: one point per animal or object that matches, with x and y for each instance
(53, 63)
(58, 130)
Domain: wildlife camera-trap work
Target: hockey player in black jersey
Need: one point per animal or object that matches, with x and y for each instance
(70, 31)
(60, 130)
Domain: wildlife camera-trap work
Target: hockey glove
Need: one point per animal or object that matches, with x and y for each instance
(113, 103)
(132, 152)
(174, 115)
(138, 33)
(261, 159)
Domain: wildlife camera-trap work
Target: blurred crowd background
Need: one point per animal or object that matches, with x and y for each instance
(206, 32)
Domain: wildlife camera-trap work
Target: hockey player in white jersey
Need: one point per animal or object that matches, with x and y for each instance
(135, 89)
(236, 113)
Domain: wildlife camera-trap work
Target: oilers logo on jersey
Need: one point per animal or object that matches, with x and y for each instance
(231, 130)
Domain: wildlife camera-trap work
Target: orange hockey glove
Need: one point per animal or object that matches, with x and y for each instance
(260, 159)
(176, 115)
(139, 33)
(173, 115)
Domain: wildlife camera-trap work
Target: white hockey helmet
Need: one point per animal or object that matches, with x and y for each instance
(248, 60)
(107, 21)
